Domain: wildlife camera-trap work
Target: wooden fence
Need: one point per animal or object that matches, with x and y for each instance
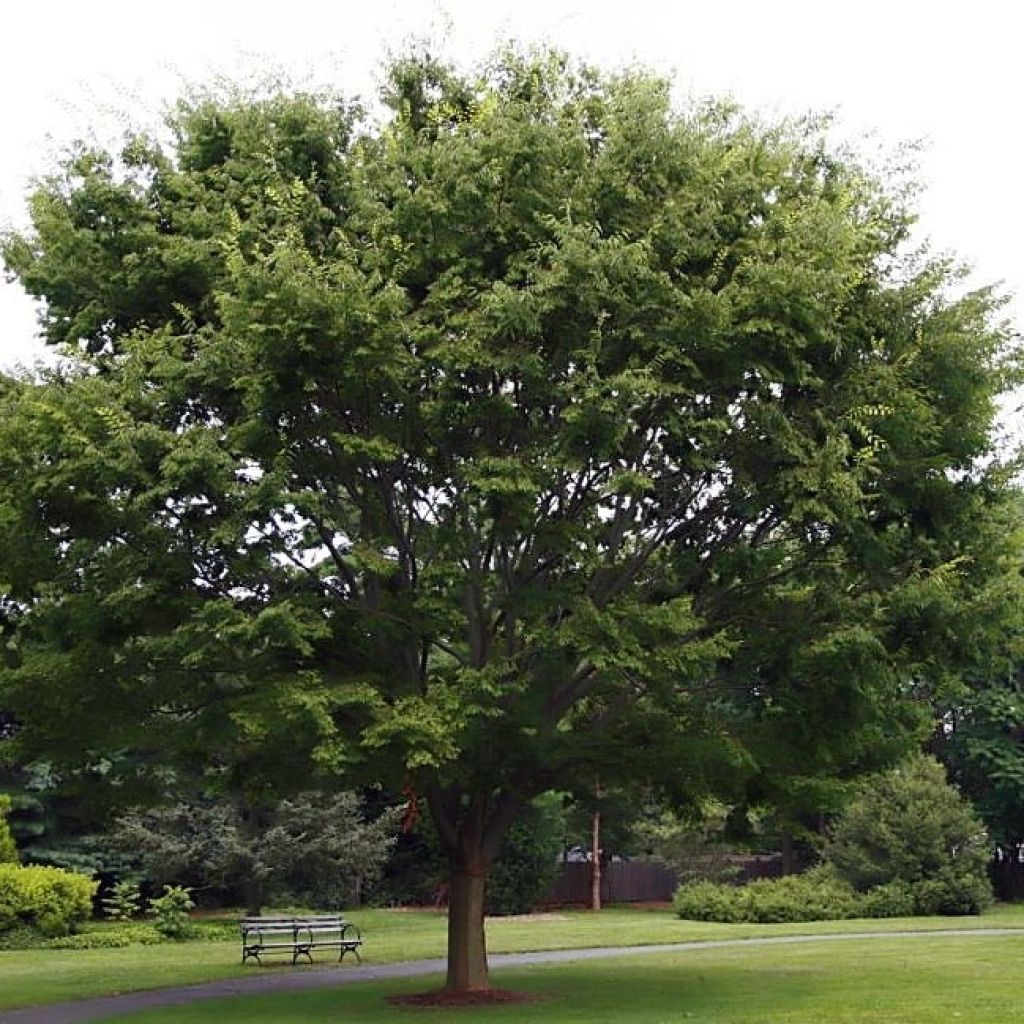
(640, 881)
(622, 881)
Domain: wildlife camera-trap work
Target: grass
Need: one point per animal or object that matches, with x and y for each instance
(961, 980)
(47, 976)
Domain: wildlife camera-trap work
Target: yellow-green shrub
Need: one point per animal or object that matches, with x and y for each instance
(8, 851)
(50, 899)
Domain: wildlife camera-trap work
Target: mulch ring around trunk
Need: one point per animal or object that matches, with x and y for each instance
(454, 1000)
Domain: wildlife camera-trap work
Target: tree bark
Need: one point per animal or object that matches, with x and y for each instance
(252, 895)
(254, 822)
(467, 947)
(595, 859)
(788, 854)
(470, 828)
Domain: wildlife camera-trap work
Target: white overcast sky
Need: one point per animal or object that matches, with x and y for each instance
(946, 73)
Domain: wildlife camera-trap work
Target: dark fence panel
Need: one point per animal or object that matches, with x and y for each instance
(622, 881)
(643, 881)
(638, 881)
(1007, 873)
(758, 865)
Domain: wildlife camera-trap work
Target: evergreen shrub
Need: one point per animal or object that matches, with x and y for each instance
(909, 826)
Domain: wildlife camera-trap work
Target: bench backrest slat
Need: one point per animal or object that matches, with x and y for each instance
(318, 922)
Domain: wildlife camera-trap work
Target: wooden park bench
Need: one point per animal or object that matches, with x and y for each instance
(298, 936)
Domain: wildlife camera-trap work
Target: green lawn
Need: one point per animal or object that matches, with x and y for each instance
(45, 976)
(891, 981)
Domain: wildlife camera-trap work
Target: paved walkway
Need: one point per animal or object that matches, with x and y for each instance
(280, 981)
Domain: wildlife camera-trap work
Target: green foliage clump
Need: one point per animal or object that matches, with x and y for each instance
(528, 861)
(170, 912)
(20, 936)
(894, 899)
(51, 900)
(909, 827)
(704, 900)
(314, 848)
(109, 938)
(92, 936)
(123, 902)
(694, 846)
(908, 844)
(8, 851)
(817, 895)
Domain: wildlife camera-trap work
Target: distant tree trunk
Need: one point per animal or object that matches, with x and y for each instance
(788, 854)
(253, 896)
(255, 820)
(595, 849)
(595, 859)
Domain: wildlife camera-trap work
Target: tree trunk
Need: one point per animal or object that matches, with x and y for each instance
(788, 854)
(254, 822)
(470, 829)
(595, 848)
(467, 947)
(252, 895)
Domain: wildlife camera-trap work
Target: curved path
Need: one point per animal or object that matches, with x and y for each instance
(131, 1002)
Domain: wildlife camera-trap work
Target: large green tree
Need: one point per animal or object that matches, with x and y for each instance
(536, 431)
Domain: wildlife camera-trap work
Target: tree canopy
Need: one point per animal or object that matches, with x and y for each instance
(538, 430)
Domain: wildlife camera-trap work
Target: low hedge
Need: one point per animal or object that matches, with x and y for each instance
(820, 895)
(51, 900)
(817, 895)
(109, 938)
